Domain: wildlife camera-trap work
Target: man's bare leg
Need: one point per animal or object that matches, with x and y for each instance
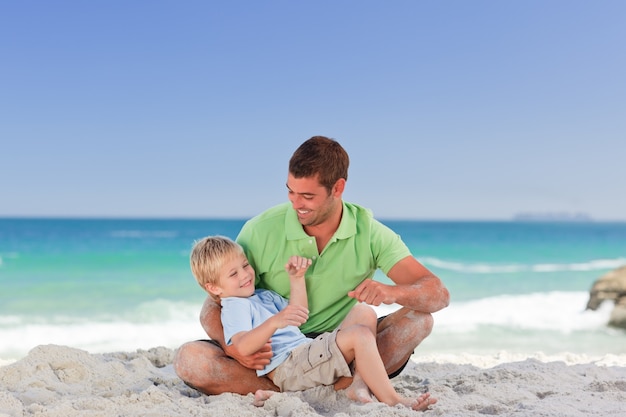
(399, 334)
(206, 368)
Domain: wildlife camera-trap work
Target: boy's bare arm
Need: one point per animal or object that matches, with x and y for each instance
(248, 342)
(296, 268)
(295, 314)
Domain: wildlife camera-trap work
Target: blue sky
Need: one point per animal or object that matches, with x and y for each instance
(448, 109)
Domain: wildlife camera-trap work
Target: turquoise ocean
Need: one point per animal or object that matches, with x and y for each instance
(106, 285)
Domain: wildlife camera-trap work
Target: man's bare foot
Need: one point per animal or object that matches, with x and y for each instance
(422, 403)
(260, 396)
(358, 391)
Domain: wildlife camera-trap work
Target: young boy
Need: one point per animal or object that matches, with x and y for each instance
(252, 317)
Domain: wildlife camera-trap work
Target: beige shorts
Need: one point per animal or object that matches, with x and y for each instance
(319, 362)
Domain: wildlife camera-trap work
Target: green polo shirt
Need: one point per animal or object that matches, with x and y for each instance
(360, 245)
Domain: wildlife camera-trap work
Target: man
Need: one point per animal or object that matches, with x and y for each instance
(346, 245)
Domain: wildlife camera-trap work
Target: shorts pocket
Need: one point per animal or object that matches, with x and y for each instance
(318, 353)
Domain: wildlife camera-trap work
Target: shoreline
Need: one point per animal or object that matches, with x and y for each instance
(61, 381)
(480, 360)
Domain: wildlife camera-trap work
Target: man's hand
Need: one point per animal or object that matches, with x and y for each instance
(257, 360)
(373, 293)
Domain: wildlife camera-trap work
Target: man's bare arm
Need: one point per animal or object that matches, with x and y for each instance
(210, 319)
(416, 288)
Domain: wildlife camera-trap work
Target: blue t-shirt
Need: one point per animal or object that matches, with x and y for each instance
(243, 314)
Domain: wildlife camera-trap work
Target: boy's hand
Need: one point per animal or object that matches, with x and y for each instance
(297, 266)
(292, 315)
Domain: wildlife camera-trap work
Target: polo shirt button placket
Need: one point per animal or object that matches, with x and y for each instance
(311, 251)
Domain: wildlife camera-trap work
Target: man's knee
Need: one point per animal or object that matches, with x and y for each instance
(426, 320)
(193, 357)
(422, 322)
(417, 325)
(182, 356)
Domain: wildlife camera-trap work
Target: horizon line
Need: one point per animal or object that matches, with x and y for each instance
(512, 219)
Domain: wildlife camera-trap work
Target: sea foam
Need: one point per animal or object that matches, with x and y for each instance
(169, 324)
(492, 268)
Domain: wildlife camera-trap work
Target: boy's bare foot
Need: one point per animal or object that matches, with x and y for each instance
(423, 402)
(260, 396)
(358, 391)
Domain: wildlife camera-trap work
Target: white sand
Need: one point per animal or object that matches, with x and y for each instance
(59, 381)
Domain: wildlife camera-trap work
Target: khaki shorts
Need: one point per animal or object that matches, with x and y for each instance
(319, 362)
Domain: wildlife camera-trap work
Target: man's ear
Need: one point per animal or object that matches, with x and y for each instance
(213, 289)
(339, 186)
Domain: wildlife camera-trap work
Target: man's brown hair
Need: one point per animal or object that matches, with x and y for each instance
(320, 156)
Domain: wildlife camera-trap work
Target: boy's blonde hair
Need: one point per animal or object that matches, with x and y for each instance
(209, 255)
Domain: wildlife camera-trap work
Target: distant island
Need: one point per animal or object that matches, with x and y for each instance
(552, 217)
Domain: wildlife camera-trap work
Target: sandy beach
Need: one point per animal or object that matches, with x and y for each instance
(60, 381)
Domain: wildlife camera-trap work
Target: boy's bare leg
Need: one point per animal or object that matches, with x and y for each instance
(260, 396)
(397, 336)
(358, 343)
(356, 388)
(206, 368)
(421, 403)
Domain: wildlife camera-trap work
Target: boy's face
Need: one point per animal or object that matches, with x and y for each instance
(236, 279)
